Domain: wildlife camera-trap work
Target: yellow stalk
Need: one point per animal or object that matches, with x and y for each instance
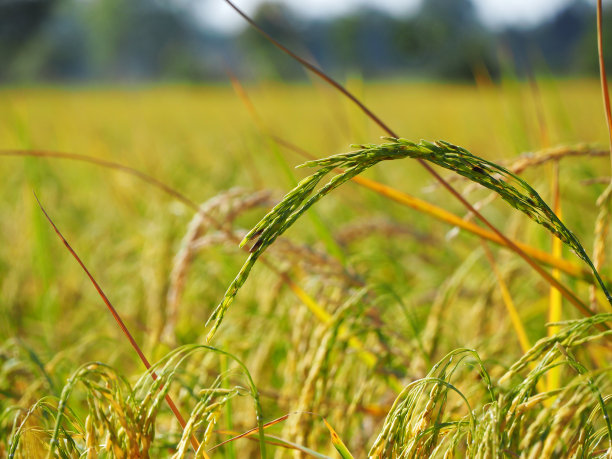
(553, 377)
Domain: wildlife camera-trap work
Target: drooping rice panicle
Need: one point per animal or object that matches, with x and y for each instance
(510, 187)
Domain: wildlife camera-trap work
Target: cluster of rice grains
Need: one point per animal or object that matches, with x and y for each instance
(432, 417)
(122, 420)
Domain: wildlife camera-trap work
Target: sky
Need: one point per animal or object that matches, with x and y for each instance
(495, 13)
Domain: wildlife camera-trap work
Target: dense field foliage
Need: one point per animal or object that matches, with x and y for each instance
(361, 300)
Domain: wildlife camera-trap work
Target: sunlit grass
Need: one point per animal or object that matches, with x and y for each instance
(426, 292)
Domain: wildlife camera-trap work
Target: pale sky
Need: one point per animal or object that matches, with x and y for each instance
(495, 13)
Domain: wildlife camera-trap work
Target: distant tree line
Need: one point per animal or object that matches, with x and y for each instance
(150, 40)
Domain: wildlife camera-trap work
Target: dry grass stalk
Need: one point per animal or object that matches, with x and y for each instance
(219, 210)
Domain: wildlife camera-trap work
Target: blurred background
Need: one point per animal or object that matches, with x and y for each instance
(116, 41)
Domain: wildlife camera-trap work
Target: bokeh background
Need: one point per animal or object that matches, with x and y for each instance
(80, 41)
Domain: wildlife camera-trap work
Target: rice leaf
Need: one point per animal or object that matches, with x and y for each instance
(337, 441)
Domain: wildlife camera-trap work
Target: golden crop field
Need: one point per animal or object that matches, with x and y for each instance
(374, 319)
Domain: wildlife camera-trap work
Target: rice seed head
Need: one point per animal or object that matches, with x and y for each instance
(511, 188)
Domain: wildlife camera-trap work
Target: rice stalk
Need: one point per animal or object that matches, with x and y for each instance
(510, 187)
(554, 154)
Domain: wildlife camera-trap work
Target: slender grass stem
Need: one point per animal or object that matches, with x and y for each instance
(119, 321)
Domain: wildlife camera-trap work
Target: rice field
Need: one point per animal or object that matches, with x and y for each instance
(384, 322)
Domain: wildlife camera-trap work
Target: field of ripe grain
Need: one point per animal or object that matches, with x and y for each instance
(373, 317)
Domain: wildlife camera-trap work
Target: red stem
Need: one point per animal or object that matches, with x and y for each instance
(115, 314)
